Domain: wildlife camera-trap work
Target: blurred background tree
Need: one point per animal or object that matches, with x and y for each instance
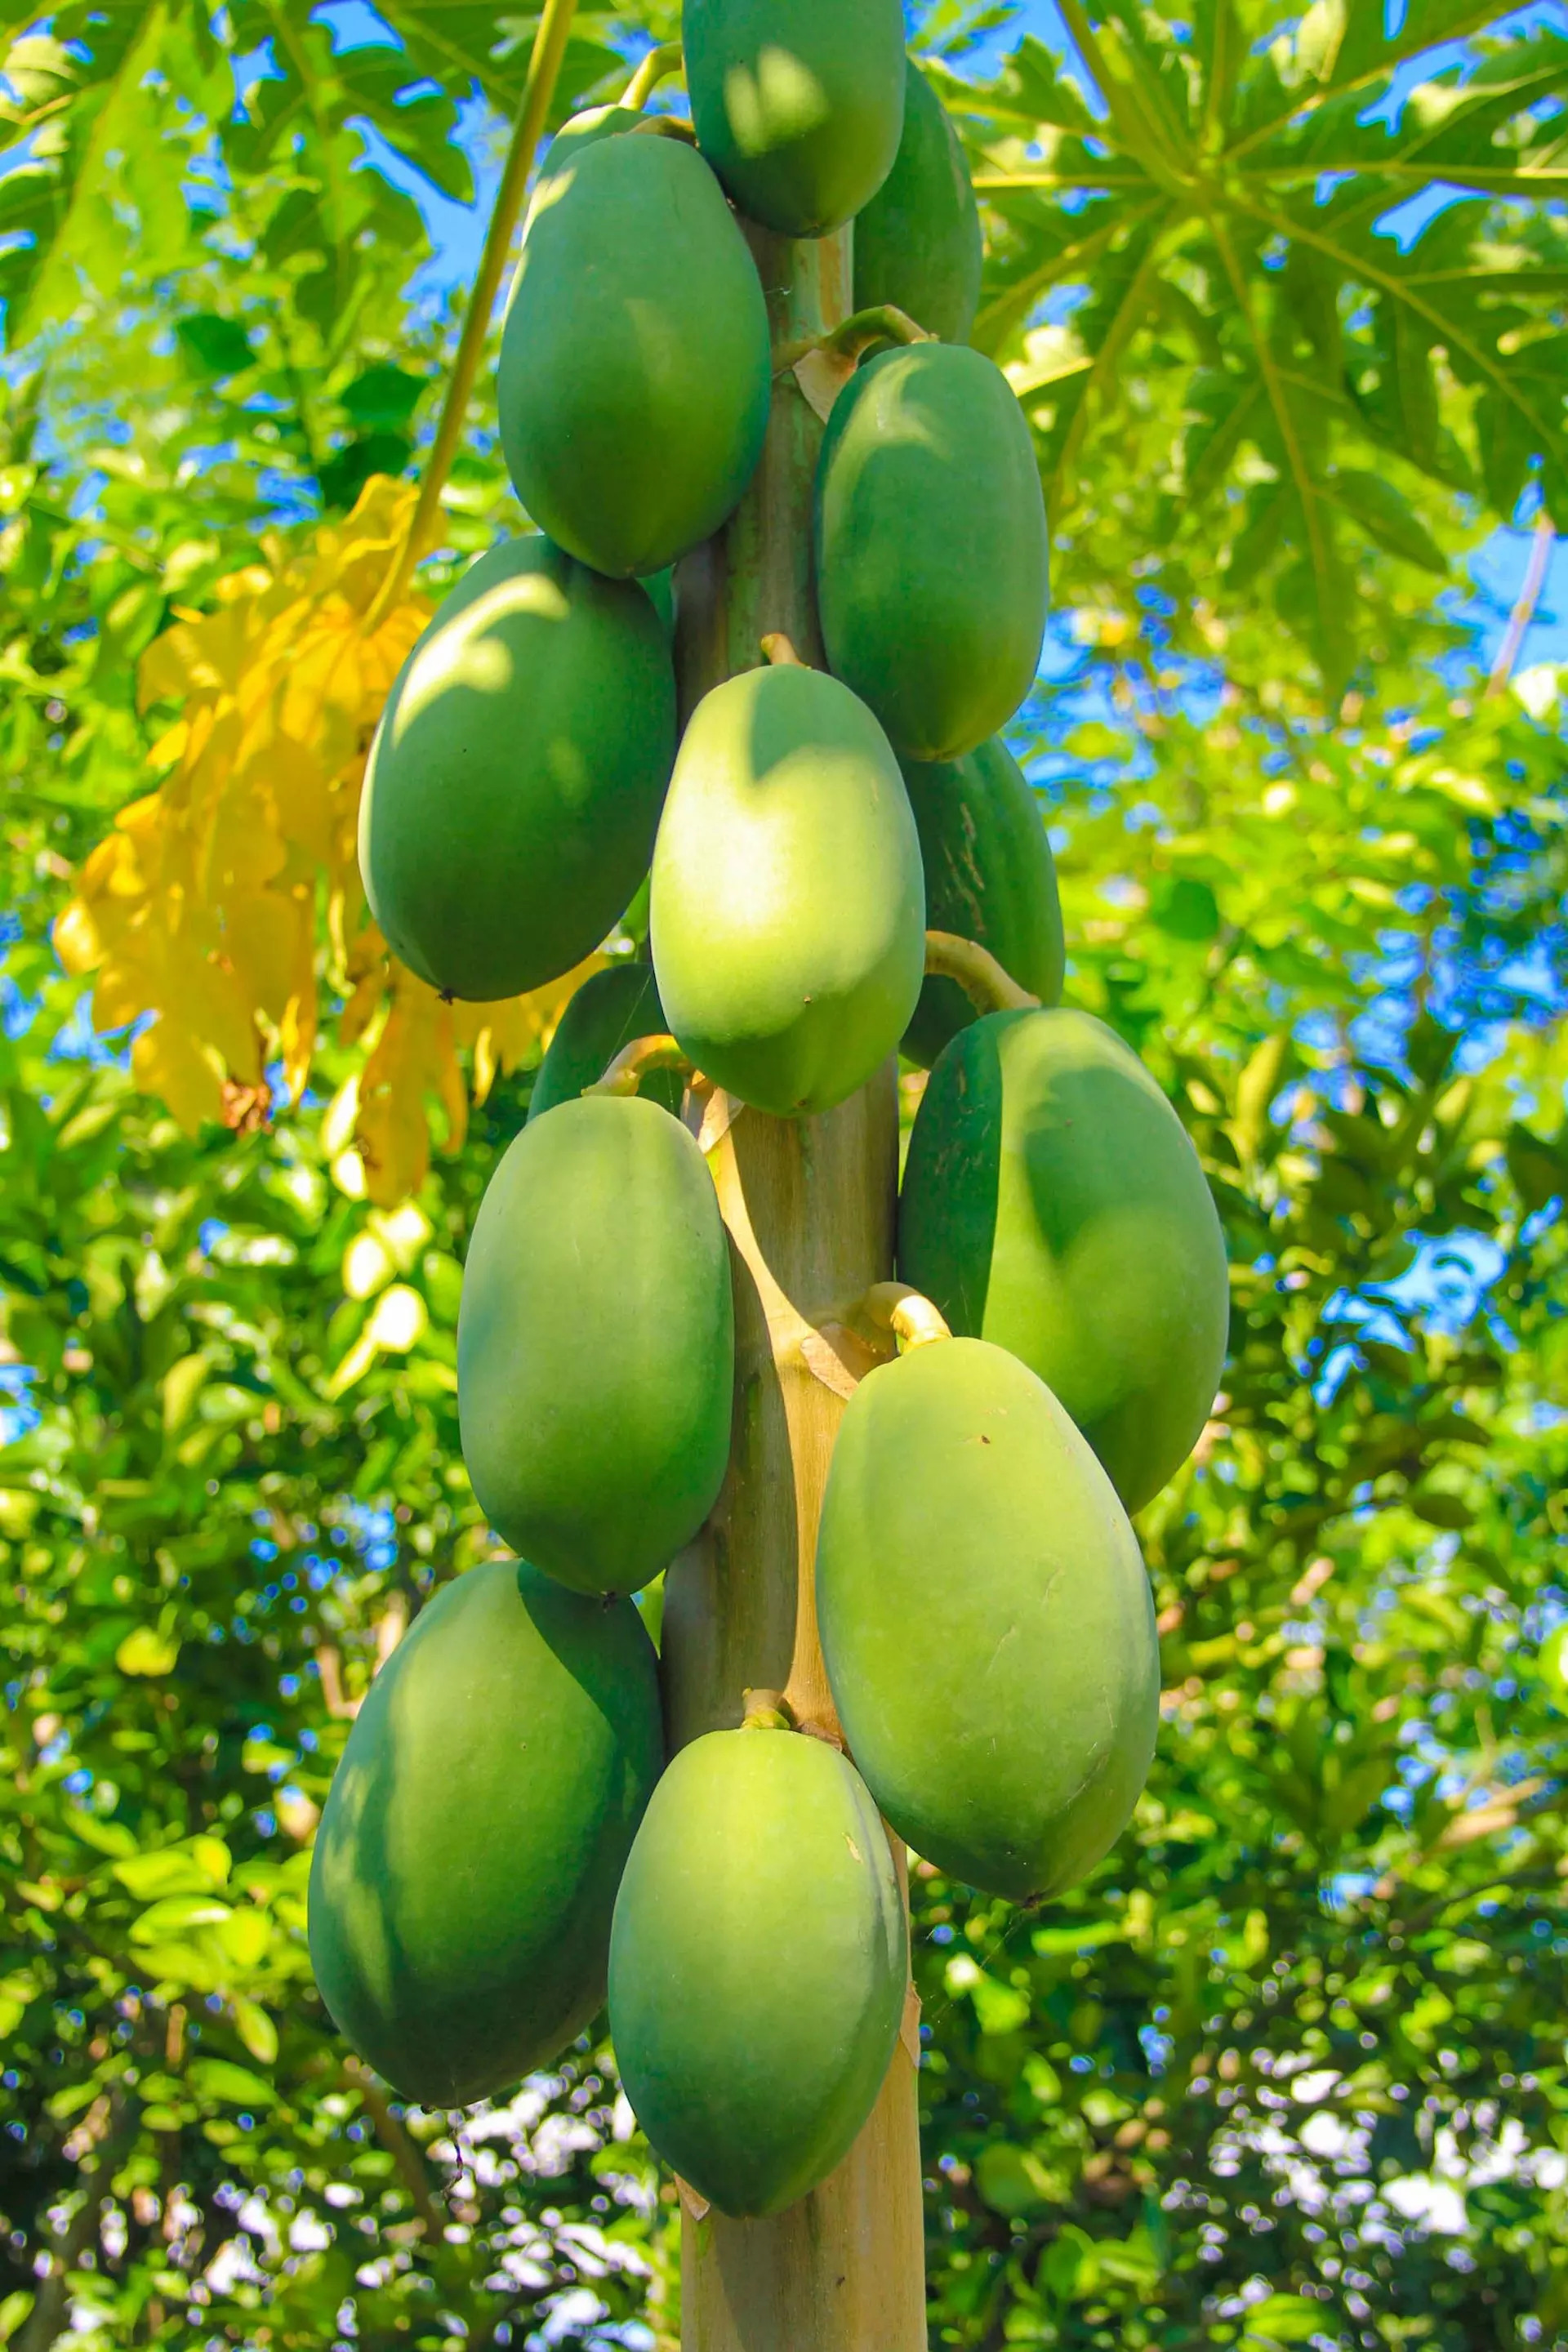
(1282, 294)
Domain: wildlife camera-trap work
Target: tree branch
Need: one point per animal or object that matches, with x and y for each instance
(543, 67)
(1523, 613)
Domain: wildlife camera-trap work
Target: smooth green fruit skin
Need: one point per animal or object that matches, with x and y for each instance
(990, 877)
(986, 1621)
(636, 371)
(917, 244)
(797, 104)
(595, 1344)
(474, 1835)
(932, 558)
(515, 780)
(1053, 1203)
(610, 1009)
(753, 2028)
(788, 911)
(574, 136)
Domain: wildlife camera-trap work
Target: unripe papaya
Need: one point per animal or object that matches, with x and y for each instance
(515, 779)
(595, 1344)
(610, 1009)
(918, 243)
(475, 1833)
(932, 557)
(635, 369)
(986, 1621)
(797, 104)
(1053, 1203)
(753, 2023)
(788, 916)
(990, 877)
(578, 133)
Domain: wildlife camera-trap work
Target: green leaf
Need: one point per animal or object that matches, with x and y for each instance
(1185, 910)
(237, 2086)
(383, 399)
(13, 2309)
(1011, 2180)
(1387, 516)
(257, 2030)
(219, 347)
(1282, 2319)
(176, 1916)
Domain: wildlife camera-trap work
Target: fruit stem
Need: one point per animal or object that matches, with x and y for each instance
(656, 67)
(908, 1313)
(543, 68)
(665, 126)
(988, 988)
(780, 651)
(885, 324)
(766, 1710)
(632, 1064)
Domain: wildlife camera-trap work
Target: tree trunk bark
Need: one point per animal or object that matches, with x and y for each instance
(809, 1207)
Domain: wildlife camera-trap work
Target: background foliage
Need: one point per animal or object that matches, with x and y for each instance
(1291, 2069)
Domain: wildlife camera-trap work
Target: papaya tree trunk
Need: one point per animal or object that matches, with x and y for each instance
(809, 1207)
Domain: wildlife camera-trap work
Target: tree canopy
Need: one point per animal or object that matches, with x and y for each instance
(1282, 295)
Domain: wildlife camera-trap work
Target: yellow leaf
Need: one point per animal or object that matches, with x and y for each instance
(146, 1652)
(200, 907)
(367, 1266)
(400, 1320)
(182, 1384)
(256, 2030)
(169, 1061)
(77, 942)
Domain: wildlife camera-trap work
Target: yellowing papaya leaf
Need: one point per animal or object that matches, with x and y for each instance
(201, 907)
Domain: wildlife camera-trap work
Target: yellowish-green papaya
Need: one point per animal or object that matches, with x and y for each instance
(475, 1833)
(986, 1621)
(636, 372)
(1053, 1203)
(788, 916)
(753, 2024)
(611, 1008)
(918, 243)
(515, 779)
(990, 877)
(797, 104)
(595, 1344)
(932, 557)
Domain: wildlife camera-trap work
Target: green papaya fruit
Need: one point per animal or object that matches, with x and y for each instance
(917, 244)
(578, 133)
(986, 1621)
(611, 1008)
(797, 104)
(990, 877)
(753, 2028)
(635, 369)
(514, 783)
(474, 1835)
(1053, 1203)
(595, 1344)
(788, 916)
(932, 557)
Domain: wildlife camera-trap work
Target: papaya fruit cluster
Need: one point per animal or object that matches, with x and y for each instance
(505, 1840)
